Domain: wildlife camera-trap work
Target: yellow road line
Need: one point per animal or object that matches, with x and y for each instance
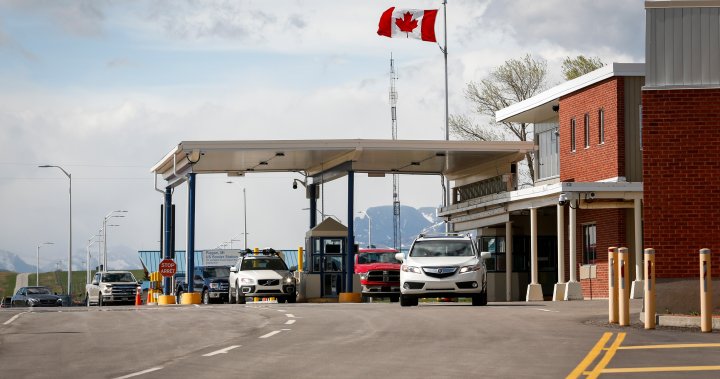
(660, 369)
(671, 346)
(609, 354)
(590, 357)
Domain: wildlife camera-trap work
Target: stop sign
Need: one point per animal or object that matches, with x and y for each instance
(167, 267)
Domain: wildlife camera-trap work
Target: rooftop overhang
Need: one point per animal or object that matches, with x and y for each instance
(454, 159)
(539, 108)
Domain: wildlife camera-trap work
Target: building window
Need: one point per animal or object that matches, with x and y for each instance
(572, 134)
(601, 126)
(587, 130)
(640, 121)
(589, 241)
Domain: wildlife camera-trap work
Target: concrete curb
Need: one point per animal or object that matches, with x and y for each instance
(681, 321)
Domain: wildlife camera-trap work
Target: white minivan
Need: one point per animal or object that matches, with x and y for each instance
(447, 265)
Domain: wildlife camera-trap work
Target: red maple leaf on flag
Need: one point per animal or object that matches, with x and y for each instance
(406, 24)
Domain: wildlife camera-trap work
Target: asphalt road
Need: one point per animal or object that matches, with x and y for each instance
(441, 340)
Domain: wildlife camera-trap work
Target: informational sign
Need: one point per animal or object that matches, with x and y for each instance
(167, 268)
(224, 257)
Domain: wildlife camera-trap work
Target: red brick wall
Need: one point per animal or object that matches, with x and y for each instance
(681, 175)
(610, 230)
(597, 162)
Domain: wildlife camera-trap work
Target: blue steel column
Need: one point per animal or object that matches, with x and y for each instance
(350, 259)
(312, 191)
(190, 256)
(167, 283)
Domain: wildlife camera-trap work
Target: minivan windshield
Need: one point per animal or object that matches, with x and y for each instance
(442, 248)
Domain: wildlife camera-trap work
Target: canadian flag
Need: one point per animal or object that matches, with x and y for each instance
(408, 23)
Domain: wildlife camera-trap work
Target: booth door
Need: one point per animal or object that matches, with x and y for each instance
(329, 261)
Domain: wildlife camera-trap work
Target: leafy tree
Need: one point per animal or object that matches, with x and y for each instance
(579, 66)
(512, 82)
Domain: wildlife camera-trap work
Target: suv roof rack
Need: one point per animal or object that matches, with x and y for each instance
(443, 235)
(269, 252)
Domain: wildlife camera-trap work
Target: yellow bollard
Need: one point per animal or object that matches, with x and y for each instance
(612, 285)
(649, 296)
(256, 250)
(624, 289)
(300, 259)
(705, 291)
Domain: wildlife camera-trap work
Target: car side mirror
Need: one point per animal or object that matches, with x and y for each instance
(293, 268)
(233, 269)
(400, 256)
(485, 255)
(140, 282)
(95, 282)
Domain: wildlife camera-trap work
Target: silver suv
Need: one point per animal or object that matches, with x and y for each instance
(443, 266)
(262, 274)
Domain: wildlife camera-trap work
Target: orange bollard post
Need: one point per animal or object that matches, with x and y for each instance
(612, 285)
(624, 288)
(649, 295)
(138, 297)
(706, 305)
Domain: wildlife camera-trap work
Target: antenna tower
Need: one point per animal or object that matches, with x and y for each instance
(397, 240)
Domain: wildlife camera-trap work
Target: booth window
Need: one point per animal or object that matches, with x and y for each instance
(589, 241)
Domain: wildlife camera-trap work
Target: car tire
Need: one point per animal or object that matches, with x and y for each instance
(205, 297)
(87, 299)
(239, 296)
(100, 302)
(406, 301)
(480, 299)
(178, 296)
(231, 298)
(394, 299)
(291, 299)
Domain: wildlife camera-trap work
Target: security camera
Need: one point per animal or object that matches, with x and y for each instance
(562, 199)
(294, 185)
(555, 108)
(591, 195)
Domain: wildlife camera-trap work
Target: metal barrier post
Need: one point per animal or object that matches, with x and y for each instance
(649, 296)
(624, 290)
(705, 291)
(300, 259)
(612, 285)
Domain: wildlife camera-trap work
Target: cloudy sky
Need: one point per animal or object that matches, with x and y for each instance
(106, 88)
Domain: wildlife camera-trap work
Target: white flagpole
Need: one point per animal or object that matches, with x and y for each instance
(446, 199)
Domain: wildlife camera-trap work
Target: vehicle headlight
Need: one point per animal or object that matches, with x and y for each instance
(33, 300)
(471, 268)
(107, 289)
(363, 275)
(247, 280)
(214, 285)
(411, 269)
(289, 279)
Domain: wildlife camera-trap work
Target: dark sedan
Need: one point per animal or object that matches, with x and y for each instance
(36, 297)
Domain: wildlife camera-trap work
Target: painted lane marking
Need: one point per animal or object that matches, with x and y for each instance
(221, 351)
(290, 315)
(13, 318)
(546, 310)
(609, 354)
(287, 330)
(281, 310)
(660, 369)
(140, 372)
(590, 357)
(271, 334)
(670, 346)
(290, 322)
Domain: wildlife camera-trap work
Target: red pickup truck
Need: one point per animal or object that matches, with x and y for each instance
(379, 273)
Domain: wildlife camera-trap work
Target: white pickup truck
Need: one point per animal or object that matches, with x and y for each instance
(111, 287)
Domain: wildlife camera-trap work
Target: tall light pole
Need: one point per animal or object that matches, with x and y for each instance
(369, 227)
(91, 241)
(245, 234)
(37, 267)
(69, 278)
(109, 215)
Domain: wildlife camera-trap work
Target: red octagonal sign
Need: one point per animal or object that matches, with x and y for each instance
(167, 267)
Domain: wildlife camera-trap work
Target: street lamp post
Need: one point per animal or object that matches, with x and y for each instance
(369, 227)
(69, 278)
(109, 215)
(245, 234)
(37, 262)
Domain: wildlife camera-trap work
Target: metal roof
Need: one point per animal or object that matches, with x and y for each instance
(539, 107)
(312, 157)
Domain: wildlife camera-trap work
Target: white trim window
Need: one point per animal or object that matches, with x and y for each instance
(587, 130)
(601, 126)
(572, 135)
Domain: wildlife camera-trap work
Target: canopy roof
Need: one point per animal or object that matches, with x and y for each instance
(454, 159)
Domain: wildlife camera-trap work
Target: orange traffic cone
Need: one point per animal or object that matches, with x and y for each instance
(138, 297)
